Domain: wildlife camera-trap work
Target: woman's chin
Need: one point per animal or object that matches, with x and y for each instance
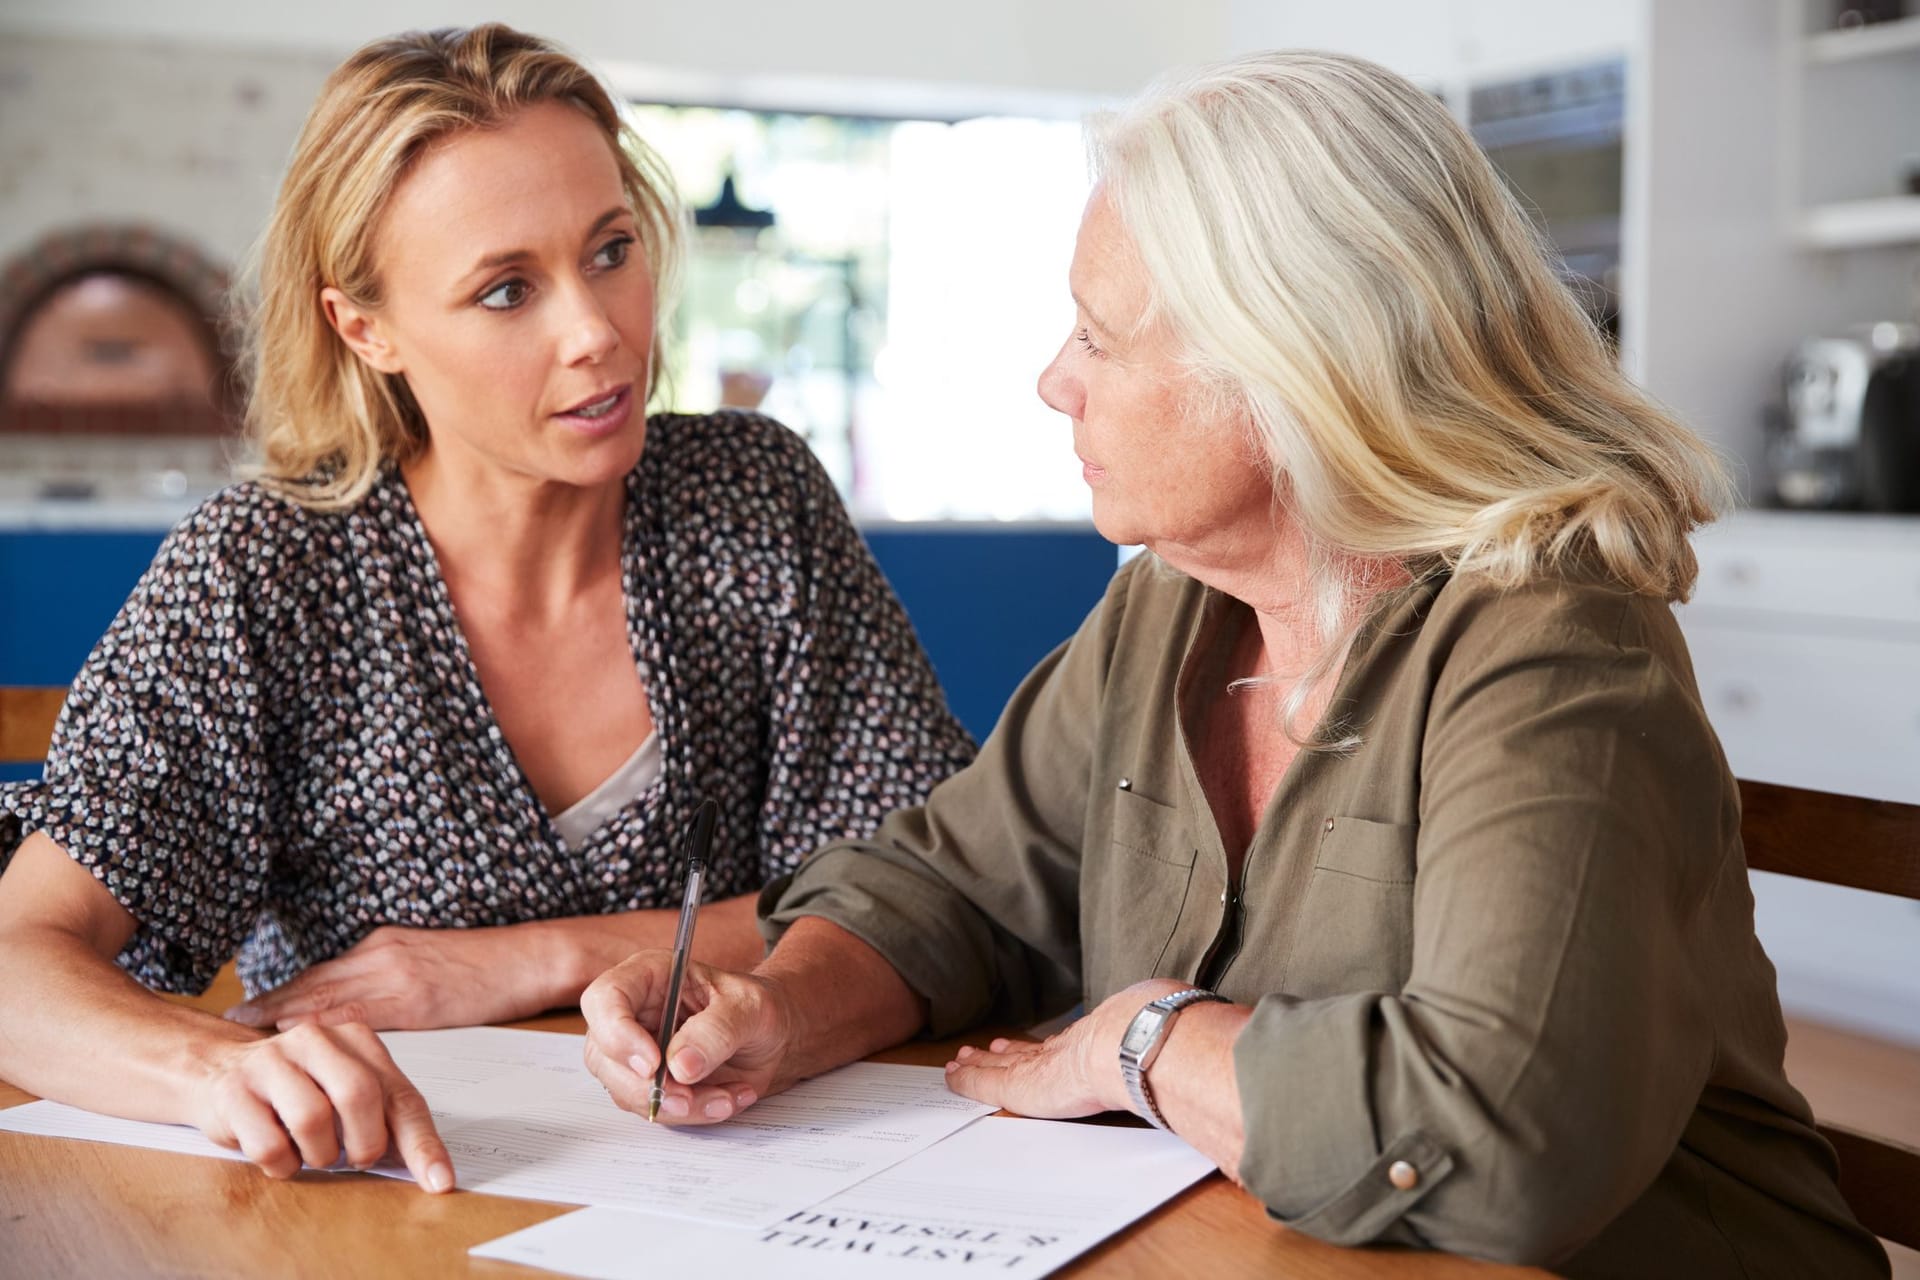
(604, 462)
(1115, 525)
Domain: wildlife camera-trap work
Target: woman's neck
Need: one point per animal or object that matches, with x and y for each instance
(1273, 572)
(524, 543)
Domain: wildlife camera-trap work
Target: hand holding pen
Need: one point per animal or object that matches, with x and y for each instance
(699, 842)
(732, 1047)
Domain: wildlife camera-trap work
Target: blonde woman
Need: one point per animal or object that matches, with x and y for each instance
(414, 722)
(1374, 818)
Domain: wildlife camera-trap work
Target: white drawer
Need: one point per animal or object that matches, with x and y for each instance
(1833, 713)
(1817, 576)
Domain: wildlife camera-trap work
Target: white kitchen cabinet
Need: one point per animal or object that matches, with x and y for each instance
(1853, 114)
(1805, 636)
(1829, 712)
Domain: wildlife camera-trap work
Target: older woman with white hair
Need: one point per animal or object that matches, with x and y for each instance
(1374, 816)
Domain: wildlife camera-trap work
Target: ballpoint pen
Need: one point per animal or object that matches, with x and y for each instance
(699, 839)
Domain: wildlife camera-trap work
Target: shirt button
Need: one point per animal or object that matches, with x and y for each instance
(1329, 824)
(1403, 1175)
(1126, 784)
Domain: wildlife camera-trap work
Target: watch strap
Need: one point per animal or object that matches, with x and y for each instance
(1134, 1061)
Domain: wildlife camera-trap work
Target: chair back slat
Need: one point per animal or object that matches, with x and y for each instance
(1880, 1179)
(1862, 844)
(1844, 840)
(26, 723)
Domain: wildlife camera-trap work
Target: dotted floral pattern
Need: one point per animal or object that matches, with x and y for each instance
(281, 743)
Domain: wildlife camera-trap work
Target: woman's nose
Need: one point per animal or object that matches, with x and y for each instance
(587, 334)
(1060, 390)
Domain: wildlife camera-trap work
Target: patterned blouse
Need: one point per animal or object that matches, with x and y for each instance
(281, 743)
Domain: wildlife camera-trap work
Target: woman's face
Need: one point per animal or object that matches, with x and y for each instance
(1185, 485)
(518, 303)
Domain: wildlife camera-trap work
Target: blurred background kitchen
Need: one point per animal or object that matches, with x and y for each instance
(886, 197)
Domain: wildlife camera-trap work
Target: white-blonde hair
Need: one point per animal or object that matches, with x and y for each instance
(322, 421)
(1343, 269)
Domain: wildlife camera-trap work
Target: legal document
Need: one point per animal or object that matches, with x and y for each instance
(558, 1137)
(1017, 1198)
(522, 1117)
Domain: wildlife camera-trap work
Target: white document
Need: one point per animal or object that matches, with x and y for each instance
(1014, 1198)
(442, 1062)
(522, 1117)
(543, 1136)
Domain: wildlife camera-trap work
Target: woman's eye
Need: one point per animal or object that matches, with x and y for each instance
(504, 296)
(614, 252)
(1085, 339)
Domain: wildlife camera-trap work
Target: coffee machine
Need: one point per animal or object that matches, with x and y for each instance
(1847, 433)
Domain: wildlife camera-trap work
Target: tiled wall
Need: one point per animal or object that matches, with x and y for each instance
(188, 140)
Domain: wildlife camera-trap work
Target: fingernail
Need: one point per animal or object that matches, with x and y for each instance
(245, 1014)
(439, 1178)
(718, 1108)
(674, 1105)
(748, 1097)
(689, 1064)
(641, 1067)
(966, 1051)
(953, 1066)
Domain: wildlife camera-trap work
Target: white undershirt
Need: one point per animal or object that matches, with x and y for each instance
(621, 788)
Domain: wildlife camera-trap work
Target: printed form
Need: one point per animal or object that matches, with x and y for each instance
(1016, 1198)
(522, 1117)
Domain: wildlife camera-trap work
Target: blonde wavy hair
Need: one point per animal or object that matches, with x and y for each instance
(321, 421)
(1344, 270)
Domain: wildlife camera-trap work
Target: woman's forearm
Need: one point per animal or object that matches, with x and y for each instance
(579, 949)
(846, 1000)
(1195, 1086)
(75, 1028)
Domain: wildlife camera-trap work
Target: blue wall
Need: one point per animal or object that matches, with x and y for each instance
(988, 603)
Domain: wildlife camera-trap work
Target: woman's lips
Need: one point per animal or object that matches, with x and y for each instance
(604, 422)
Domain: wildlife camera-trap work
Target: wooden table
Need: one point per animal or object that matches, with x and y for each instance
(88, 1209)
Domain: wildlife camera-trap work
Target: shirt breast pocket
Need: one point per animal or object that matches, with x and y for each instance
(1356, 922)
(1132, 895)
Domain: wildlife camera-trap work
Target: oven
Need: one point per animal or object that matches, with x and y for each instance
(1557, 140)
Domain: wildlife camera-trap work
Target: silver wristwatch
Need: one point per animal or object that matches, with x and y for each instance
(1141, 1045)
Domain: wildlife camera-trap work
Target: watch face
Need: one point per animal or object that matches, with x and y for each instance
(1141, 1031)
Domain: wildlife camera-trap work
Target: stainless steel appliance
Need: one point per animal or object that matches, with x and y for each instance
(1847, 434)
(1556, 138)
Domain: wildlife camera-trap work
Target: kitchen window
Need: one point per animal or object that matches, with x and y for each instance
(890, 289)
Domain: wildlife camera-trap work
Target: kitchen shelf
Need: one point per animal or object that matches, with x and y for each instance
(1856, 224)
(1901, 35)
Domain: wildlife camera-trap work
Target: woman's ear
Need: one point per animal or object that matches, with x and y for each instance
(360, 330)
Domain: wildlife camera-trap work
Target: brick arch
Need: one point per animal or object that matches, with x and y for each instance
(179, 267)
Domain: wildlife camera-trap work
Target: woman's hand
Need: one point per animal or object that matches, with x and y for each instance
(314, 1094)
(1075, 1072)
(726, 1056)
(411, 979)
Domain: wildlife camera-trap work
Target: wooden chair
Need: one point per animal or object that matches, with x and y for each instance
(1862, 844)
(26, 723)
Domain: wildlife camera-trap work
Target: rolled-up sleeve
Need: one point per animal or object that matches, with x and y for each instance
(157, 780)
(974, 896)
(1535, 1073)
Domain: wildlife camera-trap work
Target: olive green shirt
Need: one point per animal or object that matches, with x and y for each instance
(1507, 939)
